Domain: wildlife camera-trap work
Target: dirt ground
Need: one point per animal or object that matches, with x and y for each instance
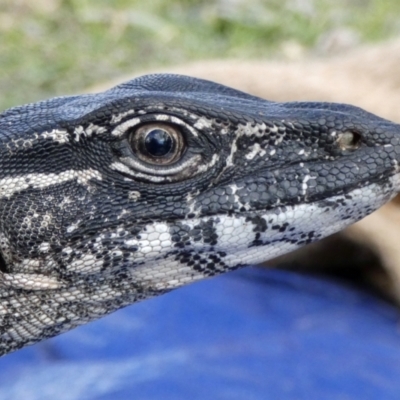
(367, 77)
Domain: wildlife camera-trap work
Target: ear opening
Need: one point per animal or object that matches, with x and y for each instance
(3, 265)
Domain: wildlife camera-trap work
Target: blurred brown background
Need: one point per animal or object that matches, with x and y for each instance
(53, 47)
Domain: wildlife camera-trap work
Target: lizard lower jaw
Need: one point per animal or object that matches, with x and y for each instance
(259, 236)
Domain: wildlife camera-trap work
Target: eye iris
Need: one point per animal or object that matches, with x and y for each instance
(158, 142)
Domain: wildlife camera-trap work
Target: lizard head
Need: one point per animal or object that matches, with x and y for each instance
(110, 198)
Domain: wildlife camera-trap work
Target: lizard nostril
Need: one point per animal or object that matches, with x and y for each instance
(349, 140)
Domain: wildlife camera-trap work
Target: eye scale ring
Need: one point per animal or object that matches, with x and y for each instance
(157, 143)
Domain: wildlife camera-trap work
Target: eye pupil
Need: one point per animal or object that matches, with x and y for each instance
(158, 142)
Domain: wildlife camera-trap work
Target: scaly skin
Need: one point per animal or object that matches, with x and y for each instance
(92, 220)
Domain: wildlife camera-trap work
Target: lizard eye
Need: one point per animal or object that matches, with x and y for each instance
(157, 143)
(162, 148)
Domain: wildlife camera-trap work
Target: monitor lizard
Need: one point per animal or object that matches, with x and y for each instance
(111, 198)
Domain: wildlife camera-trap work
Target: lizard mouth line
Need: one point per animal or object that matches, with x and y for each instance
(388, 181)
(231, 241)
(278, 231)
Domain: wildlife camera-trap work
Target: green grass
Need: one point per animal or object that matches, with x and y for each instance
(51, 47)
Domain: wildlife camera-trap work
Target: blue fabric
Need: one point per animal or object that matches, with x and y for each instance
(253, 334)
